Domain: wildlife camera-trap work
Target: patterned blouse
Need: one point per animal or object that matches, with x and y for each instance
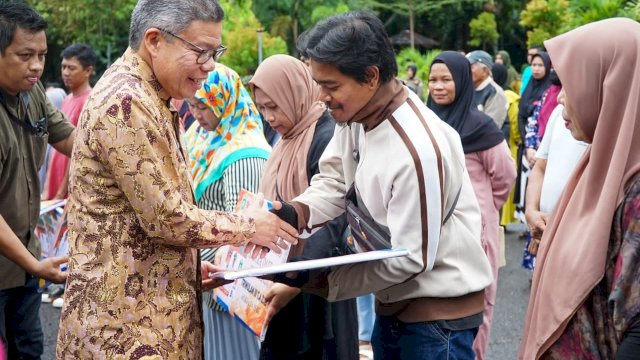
(613, 307)
(134, 285)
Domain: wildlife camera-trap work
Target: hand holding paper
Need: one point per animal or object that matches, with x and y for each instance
(208, 283)
(278, 296)
(271, 231)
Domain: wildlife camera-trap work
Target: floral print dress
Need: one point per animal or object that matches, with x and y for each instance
(613, 307)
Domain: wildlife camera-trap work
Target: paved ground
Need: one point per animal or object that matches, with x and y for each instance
(513, 294)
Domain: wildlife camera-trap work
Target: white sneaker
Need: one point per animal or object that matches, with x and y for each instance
(57, 303)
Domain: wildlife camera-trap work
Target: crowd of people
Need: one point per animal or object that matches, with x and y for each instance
(153, 157)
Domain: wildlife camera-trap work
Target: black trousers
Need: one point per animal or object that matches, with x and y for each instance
(630, 346)
(20, 328)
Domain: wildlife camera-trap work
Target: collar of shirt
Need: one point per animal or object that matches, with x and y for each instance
(13, 104)
(139, 66)
(484, 84)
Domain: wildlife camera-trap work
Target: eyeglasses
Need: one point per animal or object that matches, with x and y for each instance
(205, 55)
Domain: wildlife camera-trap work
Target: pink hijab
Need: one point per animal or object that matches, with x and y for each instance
(599, 66)
(289, 84)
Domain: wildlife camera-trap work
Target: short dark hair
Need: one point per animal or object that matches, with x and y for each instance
(351, 42)
(83, 52)
(13, 15)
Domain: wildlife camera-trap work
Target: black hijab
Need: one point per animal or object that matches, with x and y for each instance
(535, 89)
(477, 131)
(500, 75)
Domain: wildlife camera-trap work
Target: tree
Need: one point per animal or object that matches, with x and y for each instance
(240, 35)
(545, 18)
(484, 31)
(408, 8)
(288, 18)
(586, 11)
(104, 25)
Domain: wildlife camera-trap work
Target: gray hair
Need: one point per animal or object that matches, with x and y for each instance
(170, 15)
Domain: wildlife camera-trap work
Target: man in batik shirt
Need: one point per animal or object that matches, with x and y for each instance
(134, 280)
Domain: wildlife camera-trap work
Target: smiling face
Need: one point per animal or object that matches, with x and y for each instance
(272, 113)
(203, 114)
(22, 62)
(174, 62)
(442, 88)
(343, 95)
(74, 75)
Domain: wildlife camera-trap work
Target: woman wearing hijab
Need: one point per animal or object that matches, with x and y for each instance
(489, 163)
(513, 78)
(530, 104)
(549, 103)
(585, 295)
(306, 326)
(499, 73)
(537, 86)
(227, 151)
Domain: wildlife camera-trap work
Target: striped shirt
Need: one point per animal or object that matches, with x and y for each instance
(222, 195)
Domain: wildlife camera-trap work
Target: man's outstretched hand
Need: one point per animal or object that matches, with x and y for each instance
(207, 283)
(49, 269)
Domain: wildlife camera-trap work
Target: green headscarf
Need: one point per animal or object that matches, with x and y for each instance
(512, 74)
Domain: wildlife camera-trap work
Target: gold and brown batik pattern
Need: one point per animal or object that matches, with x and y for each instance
(133, 286)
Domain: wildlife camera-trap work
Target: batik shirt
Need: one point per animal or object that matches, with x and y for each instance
(134, 280)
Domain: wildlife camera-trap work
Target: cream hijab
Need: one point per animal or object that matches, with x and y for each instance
(599, 66)
(289, 84)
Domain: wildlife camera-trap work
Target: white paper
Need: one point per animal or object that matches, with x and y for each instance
(311, 264)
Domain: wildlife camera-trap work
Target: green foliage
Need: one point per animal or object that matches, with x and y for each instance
(406, 7)
(586, 11)
(632, 10)
(104, 25)
(240, 35)
(545, 19)
(322, 12)
(484, 32)
(289, 18)
(423, 62)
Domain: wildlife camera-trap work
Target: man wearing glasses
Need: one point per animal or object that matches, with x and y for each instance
(135, 278)
(28, 121)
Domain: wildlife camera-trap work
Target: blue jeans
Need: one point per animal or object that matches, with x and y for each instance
(366, 316)
(396, 340)
(20, 327)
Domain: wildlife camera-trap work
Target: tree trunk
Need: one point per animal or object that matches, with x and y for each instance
(412, 28)
(296, 7)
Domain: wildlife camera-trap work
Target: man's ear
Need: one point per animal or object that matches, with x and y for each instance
(152, 41)
(372, 76)
(88, 70)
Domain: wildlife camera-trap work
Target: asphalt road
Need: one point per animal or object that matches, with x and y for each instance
(511, 304)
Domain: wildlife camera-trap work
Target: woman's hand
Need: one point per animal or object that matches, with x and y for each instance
(537, 222)
(531, 156)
